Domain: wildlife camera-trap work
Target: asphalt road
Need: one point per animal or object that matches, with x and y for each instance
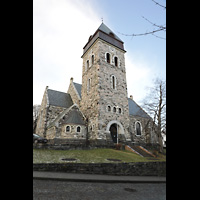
(58, 190)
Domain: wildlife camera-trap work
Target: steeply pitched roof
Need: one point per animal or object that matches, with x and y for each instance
(78, 88)
(106, 30)
(59, 99)
(105, 34)
(71, 115)
(136, 110)
(74, 117)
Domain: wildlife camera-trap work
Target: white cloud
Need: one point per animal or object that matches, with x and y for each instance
(139, 75)
(60, 30)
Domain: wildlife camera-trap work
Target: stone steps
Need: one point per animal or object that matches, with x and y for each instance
(139, 150)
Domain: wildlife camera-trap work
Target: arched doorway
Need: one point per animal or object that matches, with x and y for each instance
(116, 131)
(113, 132)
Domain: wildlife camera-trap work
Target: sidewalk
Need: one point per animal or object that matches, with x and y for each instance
(96, 178)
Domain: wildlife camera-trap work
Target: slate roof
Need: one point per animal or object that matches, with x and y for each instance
(74, 117)
(104, 33)
(106, 30)
(136, 110)
(78, 88)
(59, 99)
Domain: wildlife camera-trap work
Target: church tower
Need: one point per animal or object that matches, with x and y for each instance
(104, 99)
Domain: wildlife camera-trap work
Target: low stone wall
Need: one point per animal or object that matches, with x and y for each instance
(132, 169)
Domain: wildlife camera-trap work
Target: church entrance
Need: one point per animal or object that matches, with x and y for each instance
(113, 132)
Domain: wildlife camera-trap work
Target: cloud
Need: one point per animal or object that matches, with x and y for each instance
(58, 39)
(139, 75)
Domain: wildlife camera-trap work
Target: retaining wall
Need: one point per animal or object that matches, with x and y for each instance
(132, 169)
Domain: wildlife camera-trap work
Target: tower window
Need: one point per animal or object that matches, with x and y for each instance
(120, 110)
(109, 108)
(116, 61)
(88, 64)
(114, 109)
(113, 82)
(92, 59)
(108, 58)
(89, 85)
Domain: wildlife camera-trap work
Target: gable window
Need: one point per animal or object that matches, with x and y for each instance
(68, 128)
(108, 58)
(138, 129)
(92, 59)
(116, 61)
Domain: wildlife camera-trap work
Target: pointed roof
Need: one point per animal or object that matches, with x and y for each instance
(104, 33)
(106, 30)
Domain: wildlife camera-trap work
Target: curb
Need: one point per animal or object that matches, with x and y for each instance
(99, 179)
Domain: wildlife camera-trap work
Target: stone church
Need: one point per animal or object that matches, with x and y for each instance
(97, 112)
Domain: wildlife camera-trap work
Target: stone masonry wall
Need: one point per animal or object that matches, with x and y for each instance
(100, 95)
(126, 169)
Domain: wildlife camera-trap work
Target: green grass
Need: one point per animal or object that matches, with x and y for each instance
(87, 156)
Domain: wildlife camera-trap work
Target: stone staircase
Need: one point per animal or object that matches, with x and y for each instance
(139, 150)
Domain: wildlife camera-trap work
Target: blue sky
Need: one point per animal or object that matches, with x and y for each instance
(62, 27)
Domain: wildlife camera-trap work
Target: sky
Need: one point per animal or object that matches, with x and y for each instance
(61, 28)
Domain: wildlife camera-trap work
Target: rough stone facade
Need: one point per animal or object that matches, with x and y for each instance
(101, 94)
(100, 106)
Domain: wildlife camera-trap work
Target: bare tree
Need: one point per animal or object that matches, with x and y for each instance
(155, 105)
(36, 109)
(155, 27)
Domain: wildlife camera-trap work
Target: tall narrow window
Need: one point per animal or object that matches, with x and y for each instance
(138, 129)
(116, 61)
(92, 59)
(78, 129)
(114, 109)
(108, 58)
(89, 85)
(88, 64)
(113, 82)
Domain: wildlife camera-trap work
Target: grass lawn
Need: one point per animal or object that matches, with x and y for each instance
(88, 156)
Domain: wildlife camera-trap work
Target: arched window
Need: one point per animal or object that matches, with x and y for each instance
(68, 128)
(113, 82)
(116, 61)
(92, 59)
(138, 129)
(107, 57)
(114, 109)
(109, 108)
(88, 64)
(89, 85)
(120, 110)
(78, 129)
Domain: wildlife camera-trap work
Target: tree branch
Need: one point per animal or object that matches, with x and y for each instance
(159, 4)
